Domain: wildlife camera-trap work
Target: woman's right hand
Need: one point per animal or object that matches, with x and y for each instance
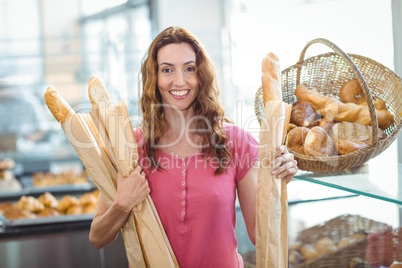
(132, 190)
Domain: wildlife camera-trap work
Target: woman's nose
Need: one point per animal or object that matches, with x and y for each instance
(178, 79)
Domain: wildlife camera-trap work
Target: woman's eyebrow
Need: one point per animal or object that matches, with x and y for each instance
(166, 63)
(170, 64)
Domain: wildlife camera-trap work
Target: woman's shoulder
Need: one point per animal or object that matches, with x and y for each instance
(233, 131)
(239, 135)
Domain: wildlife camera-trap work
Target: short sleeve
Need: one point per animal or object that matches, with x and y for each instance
(245, 150)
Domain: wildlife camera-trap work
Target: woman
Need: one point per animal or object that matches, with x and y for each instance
(192, 161)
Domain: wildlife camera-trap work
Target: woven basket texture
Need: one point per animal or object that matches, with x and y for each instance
(337, 228)
(326, 73)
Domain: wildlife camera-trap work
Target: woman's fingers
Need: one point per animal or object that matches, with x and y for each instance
(281, 156)
(283, 166)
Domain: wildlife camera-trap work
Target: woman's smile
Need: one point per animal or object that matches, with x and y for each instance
(177, 75)
(179, 94)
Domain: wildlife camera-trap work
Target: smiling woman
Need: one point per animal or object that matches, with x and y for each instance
(194, 161)
(177, 77)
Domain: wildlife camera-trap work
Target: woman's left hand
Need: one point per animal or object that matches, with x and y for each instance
(283, 166)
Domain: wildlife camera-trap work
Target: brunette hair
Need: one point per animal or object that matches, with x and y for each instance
(207, 109)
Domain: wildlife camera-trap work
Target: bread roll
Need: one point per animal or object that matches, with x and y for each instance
(48, 200)
(308, 252)
(66, 202)
(324, 245)
(60, 109)
(349, 112)
(302, 113)
(5, 205)
(88, 199)
(97, 92)
(48, 212)
(271, 78)
(396, 265)
(29, 203)
(89, 209)
(296, 138)
(346, 147)
(74, 210)
(351, 91)
(318, 143)
(13, 213)
(326, 122)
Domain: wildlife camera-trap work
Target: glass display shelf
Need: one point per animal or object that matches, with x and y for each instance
(379, 178)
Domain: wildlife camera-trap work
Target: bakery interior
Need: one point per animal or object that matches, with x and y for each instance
(64, 43)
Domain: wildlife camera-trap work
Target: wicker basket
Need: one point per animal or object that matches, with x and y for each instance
(326, 73)
(337, 228)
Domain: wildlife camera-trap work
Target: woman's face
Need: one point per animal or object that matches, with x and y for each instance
(177, 77)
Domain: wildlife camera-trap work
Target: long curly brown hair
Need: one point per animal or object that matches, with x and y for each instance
(208, 111)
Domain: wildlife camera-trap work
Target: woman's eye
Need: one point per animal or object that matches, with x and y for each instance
(166, 70)
(190, 69)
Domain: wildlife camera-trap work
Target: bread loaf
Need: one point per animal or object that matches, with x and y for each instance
(350, 112)
(60, 109)
(97, 92)
(271, 78)
(318, 143)
(354, 132)
(347, 147)
(302, 113)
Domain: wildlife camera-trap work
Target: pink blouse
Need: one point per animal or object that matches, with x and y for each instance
(197, 209)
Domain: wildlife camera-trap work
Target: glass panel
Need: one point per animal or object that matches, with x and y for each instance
(380, 178)
(20, 45)
(113, 49)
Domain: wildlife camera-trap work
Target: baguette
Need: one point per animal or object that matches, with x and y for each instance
(350, 112)
(271, 78)
(59, 107)
(97, 92)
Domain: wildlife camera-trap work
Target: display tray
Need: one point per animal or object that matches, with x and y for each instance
(29, 189)
(7, 223)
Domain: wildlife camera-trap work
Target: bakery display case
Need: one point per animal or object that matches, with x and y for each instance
(347, 218)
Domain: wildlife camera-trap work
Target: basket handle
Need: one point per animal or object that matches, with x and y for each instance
(356, 71)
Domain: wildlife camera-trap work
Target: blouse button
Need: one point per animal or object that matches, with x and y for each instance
(182, 213)
(184, 192)
(183, 202)
(183, 172)
(183, 183)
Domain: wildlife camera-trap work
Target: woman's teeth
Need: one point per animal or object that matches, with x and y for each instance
(179, 92)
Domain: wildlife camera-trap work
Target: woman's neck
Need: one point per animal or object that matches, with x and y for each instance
(179, 120)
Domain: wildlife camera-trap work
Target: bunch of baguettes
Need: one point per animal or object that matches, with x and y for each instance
(271, 207)
(104, 140)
